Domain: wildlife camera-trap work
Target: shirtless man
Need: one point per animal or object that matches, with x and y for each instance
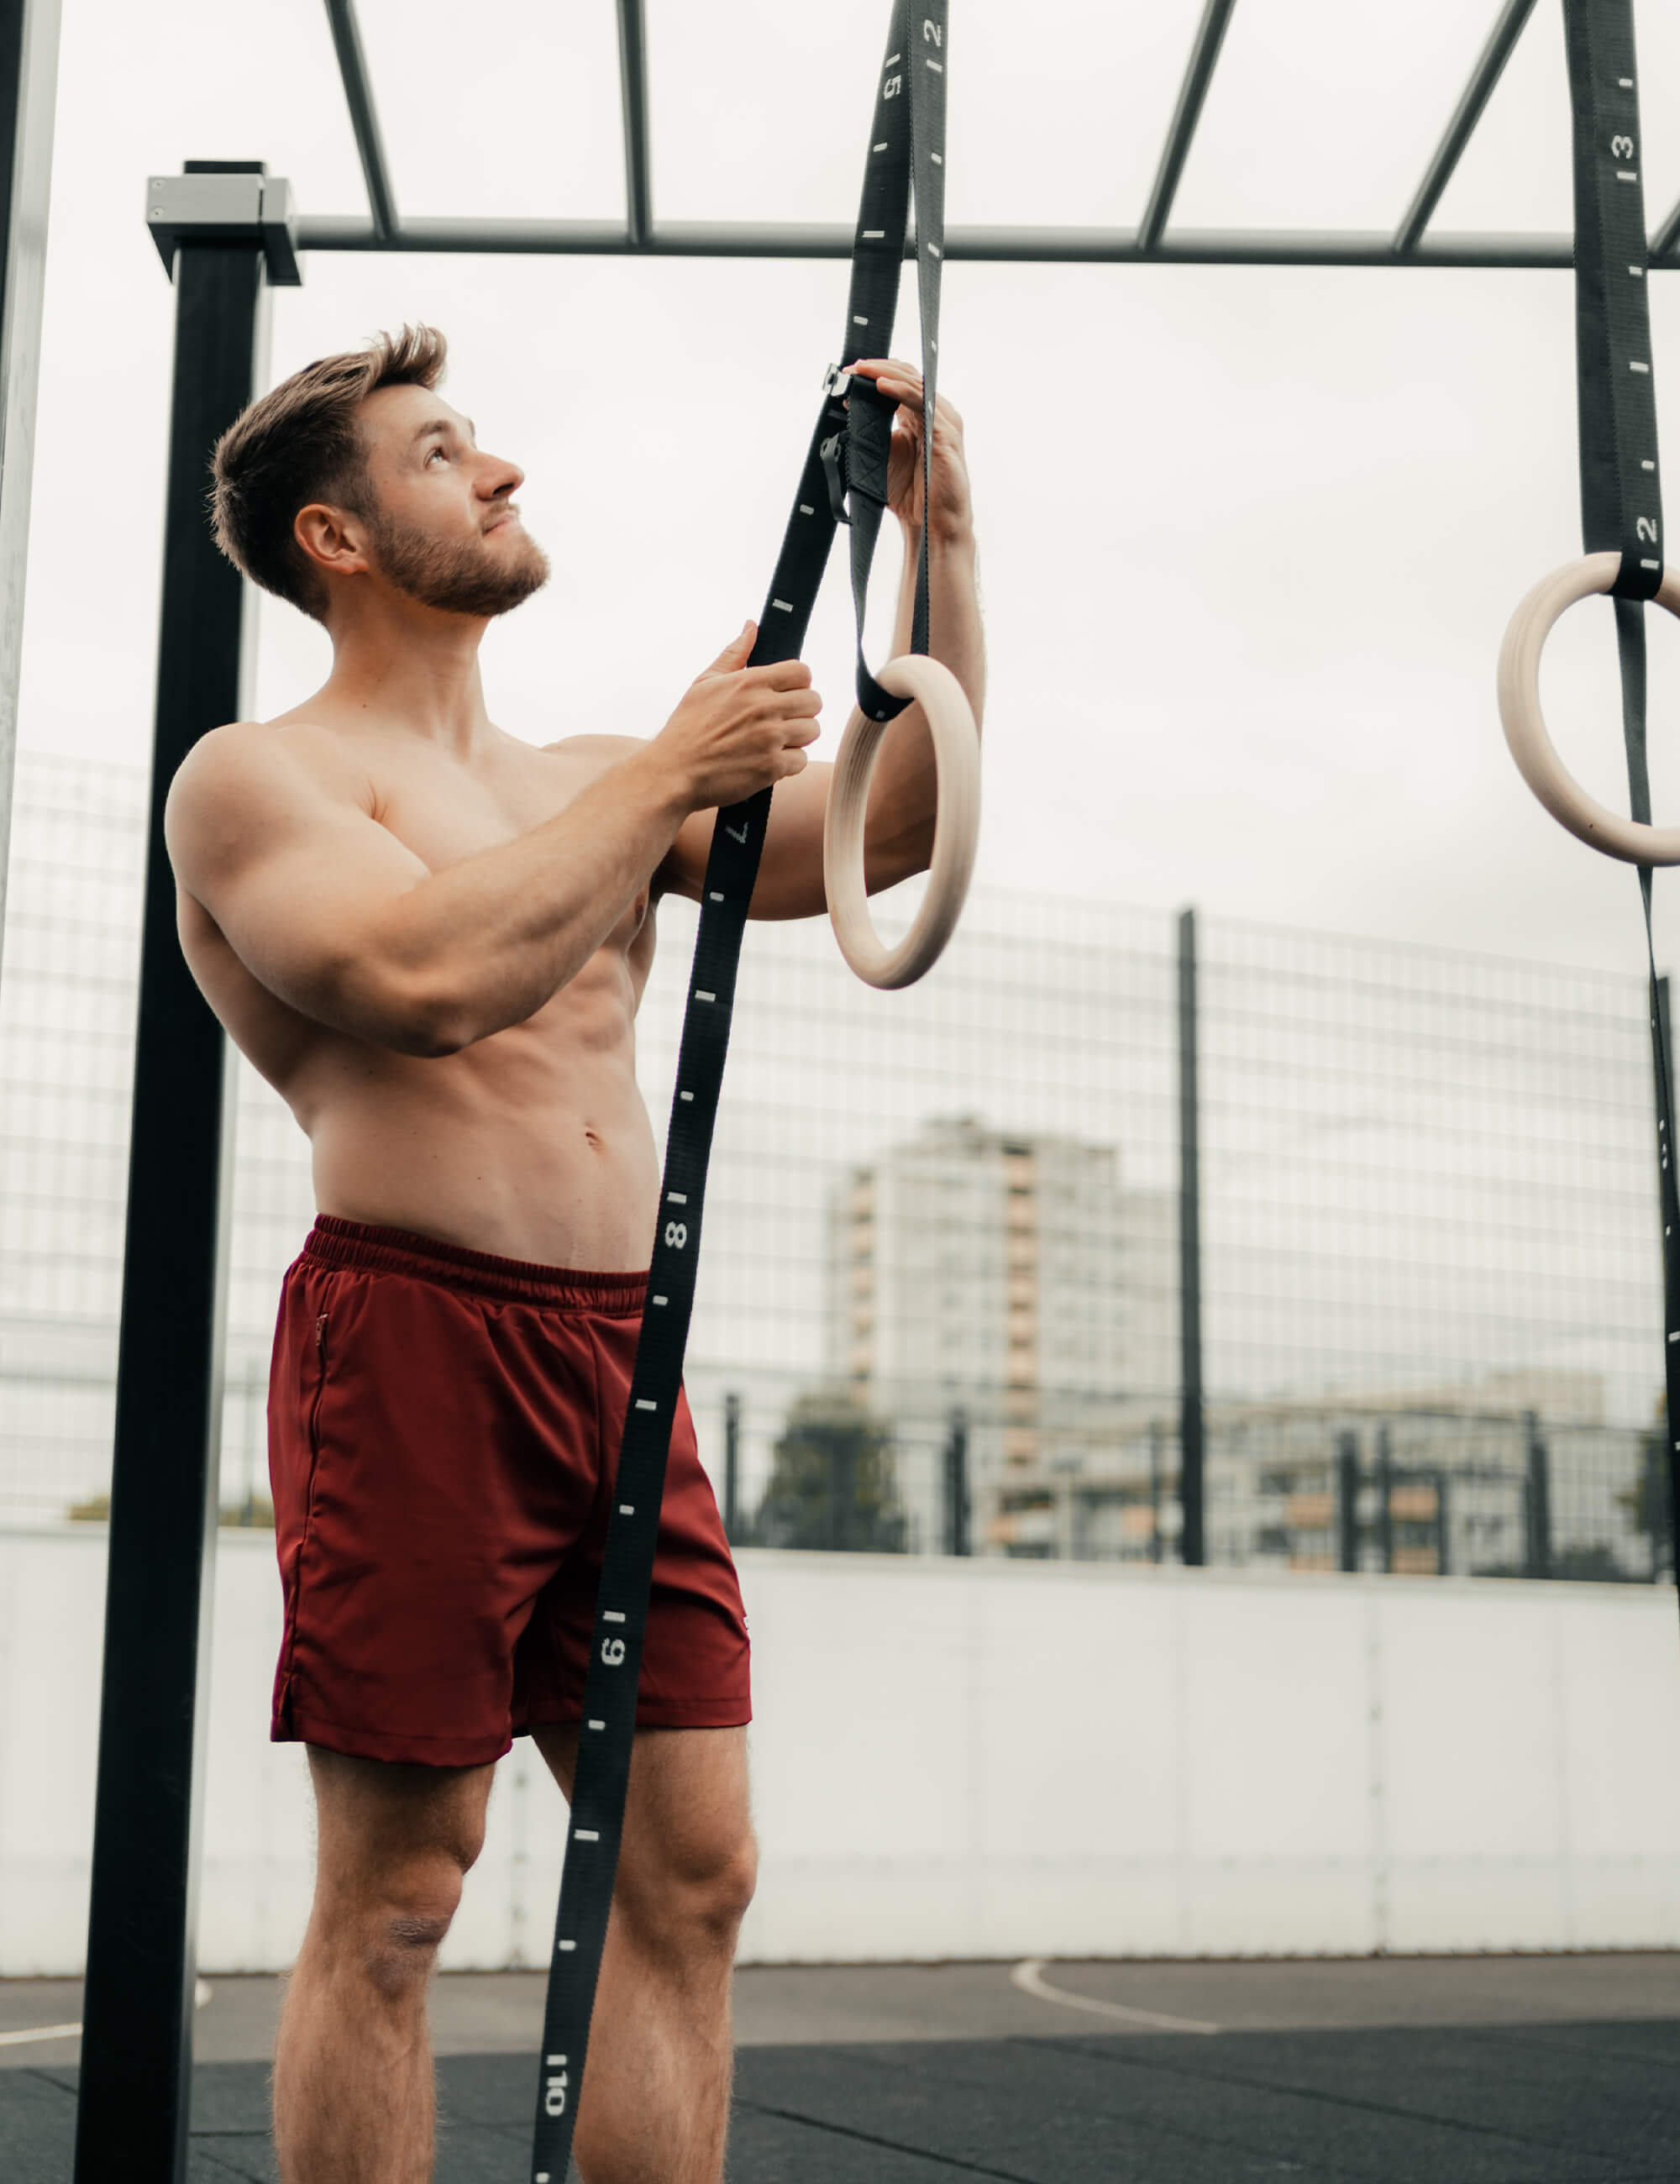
(430, 938)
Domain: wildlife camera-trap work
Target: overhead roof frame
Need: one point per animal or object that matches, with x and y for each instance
(1153, 240)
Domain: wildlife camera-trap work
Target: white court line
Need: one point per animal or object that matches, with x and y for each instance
(1029, 1976)
(40, 2032)
(201, 1995)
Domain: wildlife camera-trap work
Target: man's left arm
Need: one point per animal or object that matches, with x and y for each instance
(904, 789)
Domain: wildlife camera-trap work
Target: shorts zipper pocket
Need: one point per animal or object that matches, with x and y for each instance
(320, 1384)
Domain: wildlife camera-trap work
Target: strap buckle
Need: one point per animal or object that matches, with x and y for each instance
(836, 382)
(832, 453)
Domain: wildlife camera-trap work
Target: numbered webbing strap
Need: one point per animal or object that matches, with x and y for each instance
(907, 140)
(1621, 486)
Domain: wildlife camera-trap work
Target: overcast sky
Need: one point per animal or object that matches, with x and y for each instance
(1249, 539)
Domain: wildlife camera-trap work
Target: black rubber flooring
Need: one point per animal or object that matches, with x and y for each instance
(1582, 2104)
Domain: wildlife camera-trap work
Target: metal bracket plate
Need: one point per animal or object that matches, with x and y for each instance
(255, 208)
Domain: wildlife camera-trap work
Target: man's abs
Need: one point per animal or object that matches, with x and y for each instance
(534, 1144)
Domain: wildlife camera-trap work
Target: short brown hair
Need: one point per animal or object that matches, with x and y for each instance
(301, 442)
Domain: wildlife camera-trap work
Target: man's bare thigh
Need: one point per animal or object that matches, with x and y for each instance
(377, 1818)
(688, 1808)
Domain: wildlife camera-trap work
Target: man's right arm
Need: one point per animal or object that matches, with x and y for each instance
(331, 912)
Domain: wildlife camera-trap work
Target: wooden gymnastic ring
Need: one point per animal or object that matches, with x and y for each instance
(956, 827)
(1525, 725)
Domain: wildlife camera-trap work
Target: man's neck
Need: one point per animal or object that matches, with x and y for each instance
(416, 671)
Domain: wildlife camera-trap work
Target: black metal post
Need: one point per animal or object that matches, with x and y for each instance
(732, 1467)
(1539, 1498)
(1192, 1538)
(28, 74)
(957, 1514)
(1347, 1498)
(1385, 1505)
(137, 2014)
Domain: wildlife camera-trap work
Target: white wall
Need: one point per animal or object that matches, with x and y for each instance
(995, 1759)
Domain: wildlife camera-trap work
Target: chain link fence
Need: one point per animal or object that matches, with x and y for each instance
(940, 1300)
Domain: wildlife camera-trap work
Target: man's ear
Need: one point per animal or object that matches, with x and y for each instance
(332, 538)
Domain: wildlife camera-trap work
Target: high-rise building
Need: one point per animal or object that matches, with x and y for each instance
(1013, 1279)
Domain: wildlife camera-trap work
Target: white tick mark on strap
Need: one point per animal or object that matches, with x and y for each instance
(677, 1198)
(596, 1725)
(646, 1403)
(611, 1615)
(784, 606)
(585, 1834)
(568, 1945)
(701, 995)
(626, 1508)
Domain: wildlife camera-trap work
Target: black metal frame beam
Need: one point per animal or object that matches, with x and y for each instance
(29, 71)
(632, 67)
(1192, 97)
(1033, 246)
(353, 70)
(1501, 44)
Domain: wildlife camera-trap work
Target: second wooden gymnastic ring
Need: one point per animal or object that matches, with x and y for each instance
(956, 827)
(1525, 725)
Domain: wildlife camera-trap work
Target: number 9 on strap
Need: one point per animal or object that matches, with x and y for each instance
(956, 830)
(1524, 726)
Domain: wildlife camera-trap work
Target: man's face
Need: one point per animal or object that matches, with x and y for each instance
(441, 520)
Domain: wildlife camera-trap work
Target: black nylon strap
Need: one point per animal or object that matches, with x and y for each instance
(1620, 485)
(910, 105)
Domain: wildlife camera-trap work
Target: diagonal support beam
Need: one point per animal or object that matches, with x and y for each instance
(632, 64)
(1192, 97)
(353, 67)
(1501, 44)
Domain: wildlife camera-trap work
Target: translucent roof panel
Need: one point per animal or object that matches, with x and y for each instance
(1324, 116)
(269, 92)
(761, 112)
(1515, 172)
(506, 113)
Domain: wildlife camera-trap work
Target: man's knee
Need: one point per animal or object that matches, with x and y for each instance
(387, 1888)
(691, 1900)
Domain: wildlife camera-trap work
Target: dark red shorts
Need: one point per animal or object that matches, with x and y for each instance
(444, 1433)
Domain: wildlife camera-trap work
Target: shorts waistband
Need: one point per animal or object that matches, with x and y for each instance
(334, 1242)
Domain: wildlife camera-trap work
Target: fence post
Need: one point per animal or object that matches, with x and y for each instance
(1385, 1513)
(1659, 1527)
(957, 1512)
(731, 1467)
(1539, 1498)
(1156, 1437)
(1347, 1497)
(1443, 1528)
(1191, 1459)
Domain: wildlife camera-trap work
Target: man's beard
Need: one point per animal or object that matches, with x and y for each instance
(458, 576)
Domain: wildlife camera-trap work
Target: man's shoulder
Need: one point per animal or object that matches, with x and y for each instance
(236, 772)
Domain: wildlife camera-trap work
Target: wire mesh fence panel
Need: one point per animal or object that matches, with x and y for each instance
(939, 1295)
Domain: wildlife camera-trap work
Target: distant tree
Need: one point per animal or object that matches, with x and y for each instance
(834, 1482)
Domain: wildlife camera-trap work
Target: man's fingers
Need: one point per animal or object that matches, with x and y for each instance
(782, 675)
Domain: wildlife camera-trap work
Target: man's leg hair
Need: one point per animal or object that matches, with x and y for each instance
(654, 2107)
(354, 2094)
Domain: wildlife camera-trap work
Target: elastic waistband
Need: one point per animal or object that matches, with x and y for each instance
(333, 1242)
